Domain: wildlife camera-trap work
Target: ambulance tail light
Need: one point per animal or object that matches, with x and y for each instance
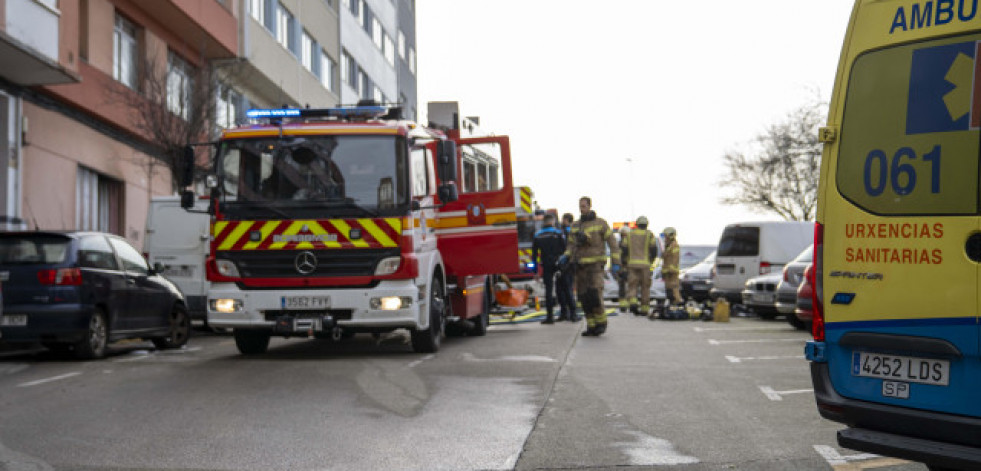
(817, 293)
(765, 268)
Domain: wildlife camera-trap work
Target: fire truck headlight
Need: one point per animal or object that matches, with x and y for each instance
(225, 305)
(227, 268)
(388, 266)
(390, 303)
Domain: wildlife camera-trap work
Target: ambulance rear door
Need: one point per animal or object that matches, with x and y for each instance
(902, 241)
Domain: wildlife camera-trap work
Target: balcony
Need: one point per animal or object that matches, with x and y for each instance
(29, 45)
(205, 24)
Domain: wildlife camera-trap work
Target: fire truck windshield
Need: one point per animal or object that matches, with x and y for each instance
(313, 176)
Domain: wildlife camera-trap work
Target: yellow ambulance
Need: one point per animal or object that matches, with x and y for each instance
(895, 355)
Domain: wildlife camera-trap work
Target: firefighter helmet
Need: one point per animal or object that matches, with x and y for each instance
(670, 232)
(642, 221)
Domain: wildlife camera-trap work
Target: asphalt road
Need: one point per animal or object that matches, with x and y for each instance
(650, 394)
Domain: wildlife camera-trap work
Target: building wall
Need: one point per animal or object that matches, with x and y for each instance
(54, 147)
(274, 75)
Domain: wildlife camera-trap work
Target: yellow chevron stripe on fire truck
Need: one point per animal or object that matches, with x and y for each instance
(524, 255)
(265, 230)
(238, 232)
(525, 199)
(379, 235)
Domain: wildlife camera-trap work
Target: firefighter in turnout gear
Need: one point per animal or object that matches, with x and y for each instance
(621, 278)
(586, 250)
(670, 270)
(640, 255)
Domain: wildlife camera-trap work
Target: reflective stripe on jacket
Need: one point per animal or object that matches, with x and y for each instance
(586, 241)
(641, 248)
(672, 257)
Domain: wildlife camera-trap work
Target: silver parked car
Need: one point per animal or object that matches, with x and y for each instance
(793, 274)
(759, 294)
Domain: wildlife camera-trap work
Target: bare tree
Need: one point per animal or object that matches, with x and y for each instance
(780, 174)
(175, 106)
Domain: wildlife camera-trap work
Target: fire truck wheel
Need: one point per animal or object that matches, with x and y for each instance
(427, 340)
(481, 322)
(251, 341)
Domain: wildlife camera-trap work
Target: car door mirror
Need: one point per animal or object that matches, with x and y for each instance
(158, 268)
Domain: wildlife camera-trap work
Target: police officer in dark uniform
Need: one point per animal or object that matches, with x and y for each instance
(548, 246)
(566, 278)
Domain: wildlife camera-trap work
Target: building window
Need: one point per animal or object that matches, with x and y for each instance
(257, 8)
(365, 91)
(125, 52)
(97, 202)
(378, 96)
(402, 45)
(412, 60)
(284, 26)
(179, 86)
(389, 50)
(307, 51)
(376, 33)
(226, 113)
(327, 68)
(349, 70)
(357, 9)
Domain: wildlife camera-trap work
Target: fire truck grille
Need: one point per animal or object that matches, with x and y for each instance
(284, 264)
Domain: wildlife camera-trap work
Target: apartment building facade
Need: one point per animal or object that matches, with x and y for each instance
(378, 53)
(82, 159)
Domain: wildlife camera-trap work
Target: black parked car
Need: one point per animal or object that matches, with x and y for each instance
(79, 291)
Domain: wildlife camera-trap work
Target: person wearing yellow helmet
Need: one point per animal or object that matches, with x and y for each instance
(639, 256)
(670, 270)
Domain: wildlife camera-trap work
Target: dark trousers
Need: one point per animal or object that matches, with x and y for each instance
(548, 276)
(567, 302)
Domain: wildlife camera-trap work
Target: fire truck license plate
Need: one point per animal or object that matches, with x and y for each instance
(306, 302)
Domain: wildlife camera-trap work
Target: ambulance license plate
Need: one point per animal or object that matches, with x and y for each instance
(901, 368)
(305, 302)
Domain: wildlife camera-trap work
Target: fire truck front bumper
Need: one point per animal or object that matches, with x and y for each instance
(390, 304)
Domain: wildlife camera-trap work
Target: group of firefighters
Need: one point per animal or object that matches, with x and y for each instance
(576, 254)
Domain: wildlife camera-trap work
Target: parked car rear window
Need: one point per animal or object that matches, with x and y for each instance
(94, 252)
(33, 249)
(739, 242)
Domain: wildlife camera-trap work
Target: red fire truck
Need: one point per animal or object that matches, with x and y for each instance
(330, 222)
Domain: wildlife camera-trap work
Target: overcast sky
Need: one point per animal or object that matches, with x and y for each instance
(582, 86)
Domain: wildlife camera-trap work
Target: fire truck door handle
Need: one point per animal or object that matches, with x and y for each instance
(505, 223)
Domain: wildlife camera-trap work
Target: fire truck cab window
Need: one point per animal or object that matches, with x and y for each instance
(368, 171)
(481, 167)
(419, 172)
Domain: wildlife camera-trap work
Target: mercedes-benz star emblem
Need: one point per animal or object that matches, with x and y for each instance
(305, 263)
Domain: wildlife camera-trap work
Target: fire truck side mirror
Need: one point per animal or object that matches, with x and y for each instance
(446, 160)
(187, 199)
(447, 193)
(187, 168)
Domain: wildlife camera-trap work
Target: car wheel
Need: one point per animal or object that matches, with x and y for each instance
(96, 338)
(795, 322)
(428, 340)
(179, 332)
(251, 341)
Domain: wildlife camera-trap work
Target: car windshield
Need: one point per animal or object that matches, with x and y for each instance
(366, 173)
(33, 249)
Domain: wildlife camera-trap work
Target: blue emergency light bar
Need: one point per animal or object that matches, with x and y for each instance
(355, 112)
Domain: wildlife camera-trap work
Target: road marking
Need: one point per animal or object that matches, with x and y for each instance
(737, 329)
(48, 380)
(417, 362)
(841, 462)
(720, 342)
(778, 395)
(733, 359)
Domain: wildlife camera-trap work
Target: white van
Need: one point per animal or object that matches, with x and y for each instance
(179, 239)
(751, 249)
